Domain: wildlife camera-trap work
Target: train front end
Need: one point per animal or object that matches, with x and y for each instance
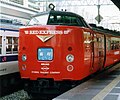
(50, 54)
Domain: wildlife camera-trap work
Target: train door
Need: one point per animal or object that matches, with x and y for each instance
(99, 51)
(88, 50)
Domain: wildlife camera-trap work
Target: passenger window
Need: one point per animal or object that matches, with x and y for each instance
(115, 44)
(11, 45)
(0, 44)
(118, 44)
(108, 43)
(15, 45)
(8, 45)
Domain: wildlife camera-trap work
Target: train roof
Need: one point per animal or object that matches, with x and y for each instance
(58, 13)
(9, 25)
(103, 30)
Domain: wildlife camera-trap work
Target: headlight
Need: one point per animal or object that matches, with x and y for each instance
(70, 58)
(24, 57)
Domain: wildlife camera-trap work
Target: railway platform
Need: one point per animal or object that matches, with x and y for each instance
(105, 86)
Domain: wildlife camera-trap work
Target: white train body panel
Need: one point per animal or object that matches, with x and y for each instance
(8, 50)
(9, 67)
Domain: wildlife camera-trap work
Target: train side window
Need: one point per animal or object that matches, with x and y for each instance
(99, 39)
(15, 45)
(118, 44)
(115, 45)
(0, 44)
(8, 45)
(108, 43)
(11, 45)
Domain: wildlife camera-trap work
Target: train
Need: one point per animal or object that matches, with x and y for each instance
(59, 48)
(9, 71)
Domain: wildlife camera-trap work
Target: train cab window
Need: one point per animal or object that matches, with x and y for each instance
(0, 44)
(11, 45)
(65, 20)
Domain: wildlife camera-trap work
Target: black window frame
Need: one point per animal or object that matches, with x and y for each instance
(80, 20)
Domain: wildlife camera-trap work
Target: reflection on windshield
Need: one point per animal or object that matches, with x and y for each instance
(39, 20)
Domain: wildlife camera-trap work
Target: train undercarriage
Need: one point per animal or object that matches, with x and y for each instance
(47, 88)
